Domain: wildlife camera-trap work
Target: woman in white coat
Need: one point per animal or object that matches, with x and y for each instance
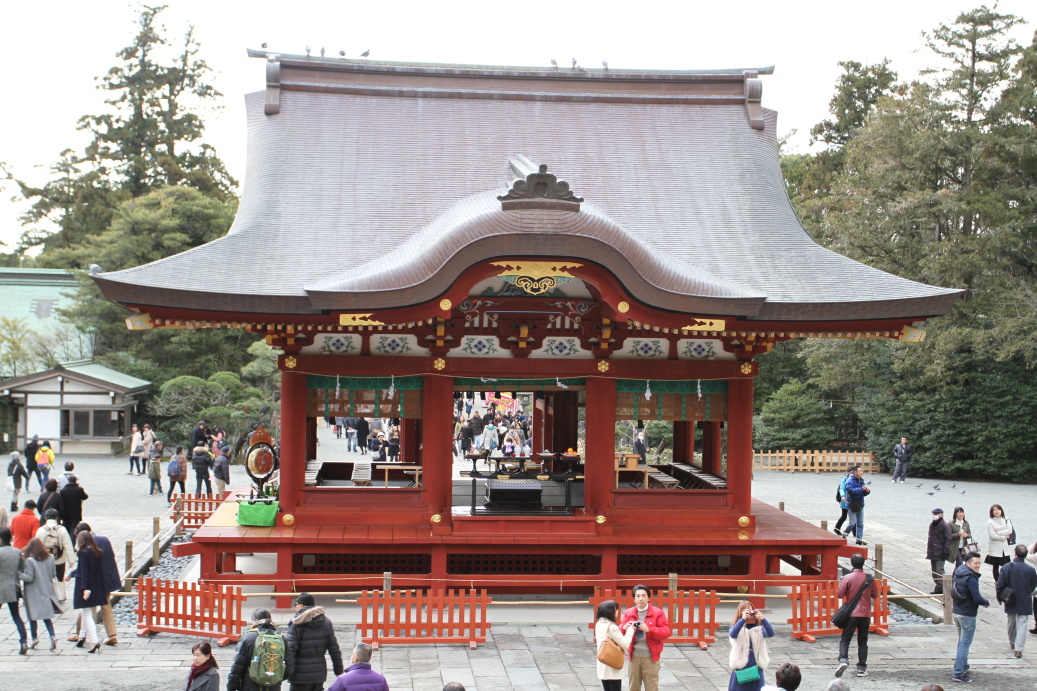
(607, 627)
(999, 528)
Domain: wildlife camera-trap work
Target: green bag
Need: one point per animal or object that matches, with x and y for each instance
(260, 514)
(748, 674)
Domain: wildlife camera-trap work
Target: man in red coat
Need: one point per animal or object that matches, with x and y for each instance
(24, 525)
(860, 620)
(652, 629)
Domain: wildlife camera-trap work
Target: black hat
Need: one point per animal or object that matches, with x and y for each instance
(305, 599)
(936, 511)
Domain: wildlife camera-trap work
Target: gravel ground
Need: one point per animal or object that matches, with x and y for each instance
(169, 567)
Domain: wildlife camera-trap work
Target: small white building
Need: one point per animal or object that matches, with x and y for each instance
(80, 407)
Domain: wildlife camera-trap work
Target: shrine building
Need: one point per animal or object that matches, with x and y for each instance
(609, 245)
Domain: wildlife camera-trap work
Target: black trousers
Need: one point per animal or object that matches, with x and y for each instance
(612, 684)
(860, 625)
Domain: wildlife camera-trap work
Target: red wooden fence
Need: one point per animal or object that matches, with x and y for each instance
(423, 616)
(813, 605)
(206, 611)
(196, 508)
(692, 613)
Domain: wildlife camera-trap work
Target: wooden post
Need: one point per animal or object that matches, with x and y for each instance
(129, 564)
(178, 515)
(600, 455)
(739, 444)
(156, 548)
(781, 506)
(387, 581)
(824, 526)
(878, 560)
(948, 602)
(673, 584)
(437, 456)
(293, 439)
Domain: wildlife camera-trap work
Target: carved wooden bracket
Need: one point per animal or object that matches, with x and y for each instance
(540, 190)
(273, 85)
(753, 99)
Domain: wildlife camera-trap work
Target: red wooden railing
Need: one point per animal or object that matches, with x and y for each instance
(196, 508)
(813, 605)
(692, 613)
(207, 611)
(423, 616)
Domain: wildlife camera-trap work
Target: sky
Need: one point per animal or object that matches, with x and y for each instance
(55, 50)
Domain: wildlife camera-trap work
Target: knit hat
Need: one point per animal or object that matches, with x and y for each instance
(15, 455)
(305, 599)
(936, 511)
(225, 449)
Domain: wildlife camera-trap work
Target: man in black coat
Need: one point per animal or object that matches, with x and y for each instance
(30, 461)
(72, 498)
(112, 582)
(199, 435)
(1022, 579)
(363, 430)
(641, 448)
(238, 678)
(310, 635)
(938, 549)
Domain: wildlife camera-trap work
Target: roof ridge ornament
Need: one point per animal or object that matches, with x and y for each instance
(540, 190)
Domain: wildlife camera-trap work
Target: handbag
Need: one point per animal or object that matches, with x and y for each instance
(971, 547)
(260, 513)
(842, 616)
(857, 504)
(59, 597)
(10, 483)
(609, 653)
(1011, 538)
(139, 449)
(747, 674)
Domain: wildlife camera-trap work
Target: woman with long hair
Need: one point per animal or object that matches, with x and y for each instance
(50, 498)
(962, 533)
(89, 592)
(749, 628)
(607, 627)
(136, 451)
(37, 573)
(203, 675)
(999, 529)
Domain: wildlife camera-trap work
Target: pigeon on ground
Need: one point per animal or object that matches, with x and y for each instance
(936, 486)
(365, 53)
(574, 63)
(963, 491)
(554, 62)
(263, 44)
(918, 486)
(307, 50)
(605, 64)
(953, 485)
(930, 493)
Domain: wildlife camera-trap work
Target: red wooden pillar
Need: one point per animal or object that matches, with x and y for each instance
(409, 439)
(711, 447)
(437, 456)
(311, 438)
(683, 441)
(740, 444)
(293, 439)
(601, 444)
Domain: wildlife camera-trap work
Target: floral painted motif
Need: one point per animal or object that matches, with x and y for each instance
(338, 344)
(699, 349)
(646, 349)
(477, 345)
(391, 345)
(561, 347)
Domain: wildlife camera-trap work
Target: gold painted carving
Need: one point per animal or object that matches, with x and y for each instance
(288, 519)
(603, 366)
(290, 362)
(623, 307)
(536, 269)
(139, 322)
(445, 305)
(436, 518)
(439, 363)
(706, 325)
(746, 368)
(358, 320)
(744, 521)
(600, 519)
(743, 535)
(909, 334)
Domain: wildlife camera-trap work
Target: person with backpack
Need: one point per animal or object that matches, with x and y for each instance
(966, 598)
(263, 658)
(177, 473)
(860, 618)
(1014, 586)
(57, 542)
(844, 504)
(45, 461)
(50, 498)
(16, 471)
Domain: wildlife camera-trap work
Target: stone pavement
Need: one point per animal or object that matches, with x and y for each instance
(550, 647)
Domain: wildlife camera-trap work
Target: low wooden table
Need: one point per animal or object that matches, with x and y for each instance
(644, 470)
(399, 466)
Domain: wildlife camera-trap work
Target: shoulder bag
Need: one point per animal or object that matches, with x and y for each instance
(609, 653)
(750, 673)
(842, 616)
(1011, 538)
(1007, 596)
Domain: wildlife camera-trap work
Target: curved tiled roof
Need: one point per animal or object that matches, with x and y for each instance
(376, 186)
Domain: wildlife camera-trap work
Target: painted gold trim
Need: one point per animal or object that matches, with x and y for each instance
(139, 322)
(706, 325)
(536, 270)
(359, 319)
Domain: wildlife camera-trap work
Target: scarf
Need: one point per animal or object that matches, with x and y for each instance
(739, 656)
(197, 671)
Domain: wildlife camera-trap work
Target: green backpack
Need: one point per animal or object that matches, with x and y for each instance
(267, 666)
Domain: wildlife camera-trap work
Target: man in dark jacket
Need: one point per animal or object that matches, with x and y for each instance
(860, 620)
(238, 677)
(965, 593)
(350, 424)
(903, 453)
(30, 461)
(363, 431)
(359, 676)
(202, 461)
(221, 470)
(310, 635)
(1022, 579)
(199, 435)
(941, 536)
(72, 498)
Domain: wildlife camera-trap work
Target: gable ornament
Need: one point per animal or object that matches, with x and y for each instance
(540, 190)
